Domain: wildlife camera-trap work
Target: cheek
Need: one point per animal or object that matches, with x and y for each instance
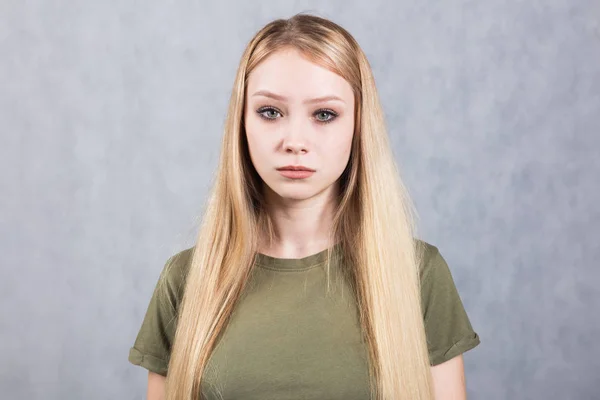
(340, 144)
(341, 157)
(258, 146)
(252, 136)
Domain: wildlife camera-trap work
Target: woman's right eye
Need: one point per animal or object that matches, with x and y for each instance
(268, 113)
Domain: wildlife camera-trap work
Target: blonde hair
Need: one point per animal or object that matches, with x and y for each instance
(373, 223)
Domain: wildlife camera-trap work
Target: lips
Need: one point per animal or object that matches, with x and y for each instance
(296, 171)
(295, 168)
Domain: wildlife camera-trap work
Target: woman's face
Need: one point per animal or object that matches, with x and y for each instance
(300, 114)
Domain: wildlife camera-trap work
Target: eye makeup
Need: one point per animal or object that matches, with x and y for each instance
(269, 109)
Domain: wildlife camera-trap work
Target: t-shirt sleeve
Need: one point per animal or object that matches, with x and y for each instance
(447, 326)
(152, 346)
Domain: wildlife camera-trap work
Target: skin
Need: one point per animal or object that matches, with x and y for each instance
(285, 125)
(156, 386)
(296, 129)
(449, 380)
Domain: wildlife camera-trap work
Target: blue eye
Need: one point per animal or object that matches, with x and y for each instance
(332, 115)
(323, 116)
(270, 110)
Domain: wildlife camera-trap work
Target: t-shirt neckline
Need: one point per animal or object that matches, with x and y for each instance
(296, 264)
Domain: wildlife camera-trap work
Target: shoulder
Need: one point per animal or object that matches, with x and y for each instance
(428, 256)
(447, 326)
(178, 264)
(173, 276)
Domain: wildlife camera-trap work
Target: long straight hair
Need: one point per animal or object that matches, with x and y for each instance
(374, 224)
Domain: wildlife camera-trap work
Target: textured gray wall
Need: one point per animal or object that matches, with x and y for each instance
(111, 115)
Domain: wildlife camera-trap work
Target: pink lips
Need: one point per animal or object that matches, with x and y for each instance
(296, 171)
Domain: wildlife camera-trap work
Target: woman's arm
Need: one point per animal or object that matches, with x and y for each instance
(156, 386)
(449, 380)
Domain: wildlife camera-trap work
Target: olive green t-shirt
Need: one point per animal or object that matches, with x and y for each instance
(288, 338)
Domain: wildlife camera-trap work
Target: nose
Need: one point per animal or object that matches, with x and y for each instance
(295, 148)
(294, 141)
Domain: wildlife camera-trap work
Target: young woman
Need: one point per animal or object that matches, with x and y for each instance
(306, 281)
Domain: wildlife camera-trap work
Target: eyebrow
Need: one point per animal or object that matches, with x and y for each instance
(275, 96)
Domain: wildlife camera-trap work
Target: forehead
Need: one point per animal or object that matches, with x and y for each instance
(289, 73)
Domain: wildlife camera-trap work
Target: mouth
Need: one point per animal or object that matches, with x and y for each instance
(295, 168)
(296, 171)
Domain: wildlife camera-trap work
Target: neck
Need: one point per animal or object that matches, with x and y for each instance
(300, 227)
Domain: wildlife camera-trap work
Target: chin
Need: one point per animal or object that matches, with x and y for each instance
(297, 194)
(293, 191)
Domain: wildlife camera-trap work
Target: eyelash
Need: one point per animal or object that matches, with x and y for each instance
(333, 114)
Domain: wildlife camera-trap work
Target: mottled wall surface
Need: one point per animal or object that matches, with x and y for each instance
(112, 114)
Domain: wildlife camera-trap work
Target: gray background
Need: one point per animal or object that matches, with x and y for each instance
(111, 113)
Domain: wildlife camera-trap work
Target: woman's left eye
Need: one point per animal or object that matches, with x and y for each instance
(327, 115)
